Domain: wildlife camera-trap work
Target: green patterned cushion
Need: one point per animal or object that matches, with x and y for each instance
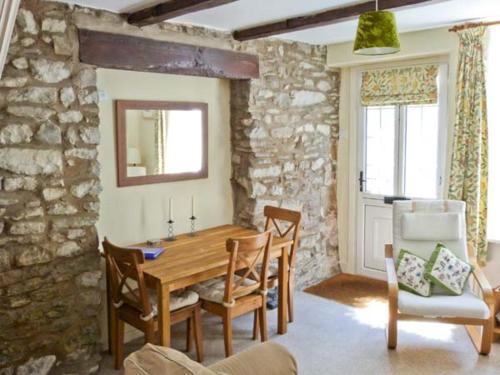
(410, 270)
(447, 270)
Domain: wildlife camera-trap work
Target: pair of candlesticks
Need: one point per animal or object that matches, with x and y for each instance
(171, 235)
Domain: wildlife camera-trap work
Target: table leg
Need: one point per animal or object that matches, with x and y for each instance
(163, 291)
(283, 291)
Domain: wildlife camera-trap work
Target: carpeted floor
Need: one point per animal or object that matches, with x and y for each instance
(330, 337)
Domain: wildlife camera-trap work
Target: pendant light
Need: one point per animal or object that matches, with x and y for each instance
(377, 33)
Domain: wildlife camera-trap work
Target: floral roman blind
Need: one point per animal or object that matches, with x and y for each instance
(406, 85)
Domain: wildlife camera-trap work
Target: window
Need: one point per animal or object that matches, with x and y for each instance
(403, 150)
(493, 92)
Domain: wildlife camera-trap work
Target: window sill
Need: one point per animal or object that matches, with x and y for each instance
(494, 242)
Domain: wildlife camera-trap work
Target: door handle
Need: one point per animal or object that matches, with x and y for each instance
(392, 198)
(361, 181)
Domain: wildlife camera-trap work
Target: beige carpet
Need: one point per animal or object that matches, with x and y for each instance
(332, 338)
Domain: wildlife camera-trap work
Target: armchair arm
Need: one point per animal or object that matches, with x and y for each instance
(482, 282)
(392, 279)
(480, 279)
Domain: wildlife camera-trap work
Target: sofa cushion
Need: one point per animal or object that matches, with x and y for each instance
(431, 226)
(269, 358)
(156, 360)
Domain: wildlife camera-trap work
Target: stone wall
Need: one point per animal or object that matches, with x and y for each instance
(284, 140)
(284, 136)
(49, 186)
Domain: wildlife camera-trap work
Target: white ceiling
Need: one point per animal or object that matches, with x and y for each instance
(245, 13)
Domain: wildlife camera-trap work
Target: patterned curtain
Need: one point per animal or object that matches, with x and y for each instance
(469, 168)
(406, 85)
(160, 140)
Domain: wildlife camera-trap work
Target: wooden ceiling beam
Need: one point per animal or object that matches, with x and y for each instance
(328, 17)
(171, 9)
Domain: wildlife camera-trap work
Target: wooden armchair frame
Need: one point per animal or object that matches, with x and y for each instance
(482, 341)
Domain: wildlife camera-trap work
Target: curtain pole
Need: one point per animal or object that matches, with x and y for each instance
(473, 24)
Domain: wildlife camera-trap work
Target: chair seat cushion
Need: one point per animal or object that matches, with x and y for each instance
(178, 299)
(272, 269)
(213, 289)
(466, 305)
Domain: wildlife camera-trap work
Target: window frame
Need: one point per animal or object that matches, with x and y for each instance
(400, 137)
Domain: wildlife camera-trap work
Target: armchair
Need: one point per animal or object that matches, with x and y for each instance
(417, 227)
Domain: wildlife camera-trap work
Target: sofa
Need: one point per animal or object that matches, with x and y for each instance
(263, 359)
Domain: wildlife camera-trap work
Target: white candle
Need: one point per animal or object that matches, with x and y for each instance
(170, 210)
(192, 205)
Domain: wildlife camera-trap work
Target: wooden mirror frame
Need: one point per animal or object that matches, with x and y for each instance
(121, 141)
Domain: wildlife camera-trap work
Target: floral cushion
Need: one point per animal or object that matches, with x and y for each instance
(410, 270)
(447, 270)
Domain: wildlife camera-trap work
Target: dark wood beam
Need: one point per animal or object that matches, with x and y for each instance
(171, 9)
(328, 17)
(116, 51)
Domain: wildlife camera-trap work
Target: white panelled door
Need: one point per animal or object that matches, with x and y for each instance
(401, 155)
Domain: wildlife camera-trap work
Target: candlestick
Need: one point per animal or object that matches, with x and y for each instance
(170, 236)
(193, 226)
(170, 210)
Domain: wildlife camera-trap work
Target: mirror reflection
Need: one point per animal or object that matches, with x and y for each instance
(163, 141)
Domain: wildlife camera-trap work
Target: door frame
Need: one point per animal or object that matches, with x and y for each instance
(355, 259)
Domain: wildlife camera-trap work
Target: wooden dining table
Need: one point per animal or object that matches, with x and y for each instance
(192, 259)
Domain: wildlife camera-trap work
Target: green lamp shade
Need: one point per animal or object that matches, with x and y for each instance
(377, 34)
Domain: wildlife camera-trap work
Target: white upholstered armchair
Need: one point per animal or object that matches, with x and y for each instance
(417, 227)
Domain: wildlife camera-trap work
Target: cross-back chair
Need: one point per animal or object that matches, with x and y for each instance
(235, 295)
(285, 223)
(133, 303)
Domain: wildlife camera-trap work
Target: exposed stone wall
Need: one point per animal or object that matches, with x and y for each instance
(284, 136)
(284, 140)
(49, 185)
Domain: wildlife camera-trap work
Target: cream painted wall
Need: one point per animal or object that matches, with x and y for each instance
(136, 213)
(133, 214)
(421, 45)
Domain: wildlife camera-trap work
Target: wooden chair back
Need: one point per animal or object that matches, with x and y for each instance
(249, 252)
(125, 270)
(284, 223)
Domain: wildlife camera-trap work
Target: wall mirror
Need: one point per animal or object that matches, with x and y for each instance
(160, 141)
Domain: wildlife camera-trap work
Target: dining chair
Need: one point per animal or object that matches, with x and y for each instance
(284, 223)
(135, 304)
(235, 295)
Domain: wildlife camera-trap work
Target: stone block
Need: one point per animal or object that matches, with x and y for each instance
(20, 183)
(32, 255)
(26, 21)
(31, 161)
(27, 227)
(81, 153)
(36, 113)
(90, 135)
(67, 96)
(70, 117)
(62, 208)
(49, 133)
(15, 133)
(68, 249)
(52, 25)
(39, 366)
(49, 71)
(51, 194)
(37, 95)
(13, 81)
(89, 279)
(91, 187)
